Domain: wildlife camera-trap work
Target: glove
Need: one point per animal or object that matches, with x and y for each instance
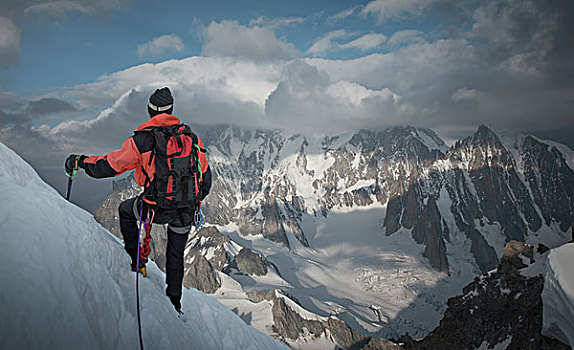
(71, 162)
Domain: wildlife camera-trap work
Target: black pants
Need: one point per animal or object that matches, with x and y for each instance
(175, 241)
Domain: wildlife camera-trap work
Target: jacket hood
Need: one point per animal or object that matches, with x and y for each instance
(163, 119)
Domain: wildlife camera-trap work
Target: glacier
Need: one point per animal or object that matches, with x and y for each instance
(558, 295)
(66, 282)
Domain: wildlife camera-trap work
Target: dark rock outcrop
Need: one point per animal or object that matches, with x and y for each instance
(499, 307)
(201, 275)
(290, 324)
(250, 263)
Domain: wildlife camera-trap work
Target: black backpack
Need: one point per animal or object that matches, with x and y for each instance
(176, 155)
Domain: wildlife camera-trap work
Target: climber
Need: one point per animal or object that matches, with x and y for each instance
(170, 163)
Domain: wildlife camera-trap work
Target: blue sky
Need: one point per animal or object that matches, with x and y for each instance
(73, 47)
(75, 74)
(62, 48)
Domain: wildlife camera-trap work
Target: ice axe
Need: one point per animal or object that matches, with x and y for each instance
(71, 178)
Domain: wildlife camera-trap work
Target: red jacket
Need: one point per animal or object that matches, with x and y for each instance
(136, 152)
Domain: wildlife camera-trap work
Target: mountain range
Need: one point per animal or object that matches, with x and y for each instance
(378, 228)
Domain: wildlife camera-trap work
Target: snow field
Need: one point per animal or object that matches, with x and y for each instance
(66, 282)
(376, 283)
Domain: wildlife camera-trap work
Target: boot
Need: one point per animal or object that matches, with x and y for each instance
(141, 269)
(175, 300)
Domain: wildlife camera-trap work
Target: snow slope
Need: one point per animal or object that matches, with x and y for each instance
(558, 295)
(66, 283)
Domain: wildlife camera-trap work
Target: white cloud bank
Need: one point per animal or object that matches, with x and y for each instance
(274, 94)
(264, 21)
(406, 37)
(308, 99)
(366, 42)
(161, 45)
(229, 38)
(326, 43)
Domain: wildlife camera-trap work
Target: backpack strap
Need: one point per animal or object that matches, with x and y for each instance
(199, 151)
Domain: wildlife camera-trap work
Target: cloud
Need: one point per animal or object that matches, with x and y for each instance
(205, 89)
(10, 101)
(11, 119)
(58, 8)
(423, 83)
(229, 38)
(10, 41)
(366, 42)
(307, 97)
(529, 63)
(273, 23)
(16, 111)
(326, 43)
(406, 37)
(61, 8)
(519, 34)
(466, 94)
(384, 10)
(408, 70)
(160, 45)
(344, 14)
(330, 42)
(49, 105)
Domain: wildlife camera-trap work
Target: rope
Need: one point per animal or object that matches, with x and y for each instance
(137, 279)
(145, 248)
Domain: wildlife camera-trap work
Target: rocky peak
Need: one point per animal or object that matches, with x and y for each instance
(406, 140)
(502, 195)
(484, 135)
(550, 180)
(290, 325)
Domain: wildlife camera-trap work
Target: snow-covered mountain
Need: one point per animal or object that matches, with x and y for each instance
(66, 282)
(377, 227)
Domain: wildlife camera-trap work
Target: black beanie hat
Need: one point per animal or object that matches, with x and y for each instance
(160, 101)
